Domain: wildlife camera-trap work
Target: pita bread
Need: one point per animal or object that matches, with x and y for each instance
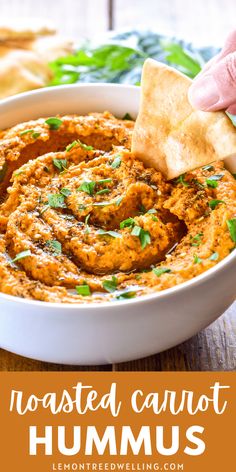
(169, 134)
(21, 70)
(24, 28)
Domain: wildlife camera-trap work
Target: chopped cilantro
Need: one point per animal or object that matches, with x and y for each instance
(127, 116)
(144, 236)
(87, 187)
(232, 228)
(71, 145)
(158, 271)
(213, 203)
(152, 211)
(126, 295)
(196, 259)
(103, 191)
(181, 180)
(60, 164)
(104, 181)
(208, 167)
(214, 256)
(110, 285)
(154, 218)
(212, 181)
(26, 131)
(54, 246)
(78, 142)
(56, 200)
(129, 222)
(113, 234)
(22, 255)
(196, 240)
(116, 162)
(65, 192)
(54, 123)
(83, 290)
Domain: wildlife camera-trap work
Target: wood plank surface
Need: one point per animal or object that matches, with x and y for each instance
(203, 22)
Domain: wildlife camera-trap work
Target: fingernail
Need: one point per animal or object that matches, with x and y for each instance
(203, 93)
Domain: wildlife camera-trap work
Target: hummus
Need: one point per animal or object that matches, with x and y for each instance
(82, 220)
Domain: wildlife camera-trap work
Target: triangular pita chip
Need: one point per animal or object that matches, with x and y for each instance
(169, 134)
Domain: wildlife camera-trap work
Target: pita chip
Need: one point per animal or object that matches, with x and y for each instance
(169, 134)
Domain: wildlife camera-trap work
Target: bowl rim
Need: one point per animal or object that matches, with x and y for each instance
(106, 305)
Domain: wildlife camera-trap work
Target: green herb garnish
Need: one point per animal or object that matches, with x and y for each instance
(196, 240)
(22, 255)
(127, 116)
(65, 192)
(113, 234)
(144, 236)
(60, 164)
(232, 228)
(181, 180)
(129, 222)
(54, 246)
(158, 271)
(196, 259)
(213, 203)
(110, 285)
(126, 295)
(83, 290)
(56, 200)
(54, 123)
(103, 191)
(87, 187)
(116, 162)
(213, 180)
(208, 167)
(214, 256)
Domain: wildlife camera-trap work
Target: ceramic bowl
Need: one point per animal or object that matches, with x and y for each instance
(107, 332)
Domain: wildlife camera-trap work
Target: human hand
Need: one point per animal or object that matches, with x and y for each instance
(215, 87)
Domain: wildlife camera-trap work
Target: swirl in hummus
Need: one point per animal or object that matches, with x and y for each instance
(82, 220)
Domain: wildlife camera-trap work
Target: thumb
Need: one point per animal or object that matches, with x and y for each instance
(216, 88)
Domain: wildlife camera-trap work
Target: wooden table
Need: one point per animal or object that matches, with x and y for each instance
(205, 22)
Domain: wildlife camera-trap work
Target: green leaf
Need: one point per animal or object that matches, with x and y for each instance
(85, 146)
(65, 192)
(22, 255)
(36, 135)
(177, 56)
(87, 187)
(213, 180)
(158, 271)
(232, 228)
(83, 290)
(26, 131)
(104, 181)
(126, 295)
(113, 234)
(55, 247)
(214, 203)
(103, 191)
(181, 180)
(71, 146)
(144, 236)
(196, 259)
(196, 240)
(208, 167)
(116, 162)
(110, 285)
(152, 211)
(56, 200)
(214, 256)
(60, 164)
(129, 222)
(54, 123)
(127, 116)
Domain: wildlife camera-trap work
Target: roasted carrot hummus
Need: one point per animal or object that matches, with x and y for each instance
(82, 220)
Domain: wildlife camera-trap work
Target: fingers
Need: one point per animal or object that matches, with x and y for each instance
(216, 88)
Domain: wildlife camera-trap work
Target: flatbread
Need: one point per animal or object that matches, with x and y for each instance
(21, 70)
(23, 28)
(169, 134)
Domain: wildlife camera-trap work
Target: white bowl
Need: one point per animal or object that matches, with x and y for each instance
(107, 332)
